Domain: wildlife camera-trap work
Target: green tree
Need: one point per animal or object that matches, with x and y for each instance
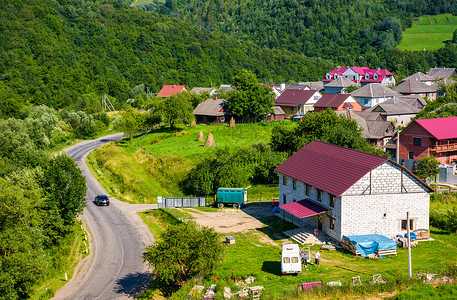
(176, 109)
(65, 186)
(251, 99)
(428, 167)
(324, 126)
(183, 251)
(129, 122)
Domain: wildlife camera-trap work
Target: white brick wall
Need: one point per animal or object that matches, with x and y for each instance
(361, 210)
(382, 214)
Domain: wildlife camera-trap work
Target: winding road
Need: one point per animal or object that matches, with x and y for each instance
(114, 269)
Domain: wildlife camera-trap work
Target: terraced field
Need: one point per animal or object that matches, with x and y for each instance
(429, 32)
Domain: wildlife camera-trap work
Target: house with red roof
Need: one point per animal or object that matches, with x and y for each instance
(337, 102)
(168, 90)
(343, 191)
(361, 75)
(437, 137)
(297, 102)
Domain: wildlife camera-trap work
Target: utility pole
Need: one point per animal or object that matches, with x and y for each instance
(398, 146)
(410, 272)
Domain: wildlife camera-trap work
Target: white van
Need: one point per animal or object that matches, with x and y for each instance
(290, 260)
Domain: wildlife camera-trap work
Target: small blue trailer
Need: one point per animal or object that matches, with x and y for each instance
(231, 196)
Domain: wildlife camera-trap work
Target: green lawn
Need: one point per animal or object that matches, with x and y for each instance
(253, 255)
(429, 32)
(155, 163)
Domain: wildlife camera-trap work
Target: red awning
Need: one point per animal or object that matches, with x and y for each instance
(303, 208)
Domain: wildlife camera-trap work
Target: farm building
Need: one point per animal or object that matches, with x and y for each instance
(212, 110)
(342, 191)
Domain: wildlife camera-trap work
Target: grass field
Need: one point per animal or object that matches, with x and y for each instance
(253, 256)
(429, 32)
(155, 163)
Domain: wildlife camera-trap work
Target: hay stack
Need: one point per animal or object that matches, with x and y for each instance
(210, 141)
(232, 122)
(193, 124)
(200, 137)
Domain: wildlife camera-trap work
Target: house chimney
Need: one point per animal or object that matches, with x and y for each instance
(283, 87)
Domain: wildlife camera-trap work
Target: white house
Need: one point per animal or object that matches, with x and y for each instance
(373, 94)
(347, 192)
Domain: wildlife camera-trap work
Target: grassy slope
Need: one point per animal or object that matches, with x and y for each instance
(429, 32)
(155, 163)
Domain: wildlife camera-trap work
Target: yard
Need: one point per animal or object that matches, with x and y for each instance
(258, 235)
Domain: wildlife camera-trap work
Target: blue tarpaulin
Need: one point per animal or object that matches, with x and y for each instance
(371, 243)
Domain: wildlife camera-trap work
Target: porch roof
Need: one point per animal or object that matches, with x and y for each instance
(303, 208)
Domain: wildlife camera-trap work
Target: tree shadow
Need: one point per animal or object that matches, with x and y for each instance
(274, 225)
(134, 284)
(272, 267)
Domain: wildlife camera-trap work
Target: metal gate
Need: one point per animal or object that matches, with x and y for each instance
(181, 202)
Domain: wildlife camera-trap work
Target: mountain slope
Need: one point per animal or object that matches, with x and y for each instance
(53, 52)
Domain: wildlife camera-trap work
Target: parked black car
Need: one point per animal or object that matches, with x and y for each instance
(102, 200)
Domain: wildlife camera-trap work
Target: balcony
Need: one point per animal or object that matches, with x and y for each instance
(440, 148)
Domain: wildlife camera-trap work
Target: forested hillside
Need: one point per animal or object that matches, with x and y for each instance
(348, 32)
(67, 53)
(316, 28)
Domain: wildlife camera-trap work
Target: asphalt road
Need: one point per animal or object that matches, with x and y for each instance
(115, 269)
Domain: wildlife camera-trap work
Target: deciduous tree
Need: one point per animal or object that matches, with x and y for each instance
(183, 251)
(251, 99)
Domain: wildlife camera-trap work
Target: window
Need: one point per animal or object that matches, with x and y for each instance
(319, 195)
(403, 225)
(417, 141)
(335, 76)
(331, 223)
(286, 260)
(294, 260)
(284, 179)
(328, 76)
(411, 155)
(332, 201)
(294, 184)
(284, 198)
(308, 190)
(367, 76)
(375, 76)
(316, 98)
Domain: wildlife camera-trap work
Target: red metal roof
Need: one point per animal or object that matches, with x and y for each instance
(169, 90)
(440, 128)
(292, 97)
(331, 100)
(303, 208)
(330, 168)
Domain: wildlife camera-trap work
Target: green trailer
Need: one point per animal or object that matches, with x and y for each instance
(231, 196)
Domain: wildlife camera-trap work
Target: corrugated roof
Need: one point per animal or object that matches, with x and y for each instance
(303, 208)
(211, 107)
(291, 97)
(372, 129)
(331, 100)
(340, 82)
(440, 128)
(394, 106)
(199, 90)
(414, 86)
(330, 168)
(277, 110)
(419, 76)
(374, 90)
(169, 90)
(438, 73)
